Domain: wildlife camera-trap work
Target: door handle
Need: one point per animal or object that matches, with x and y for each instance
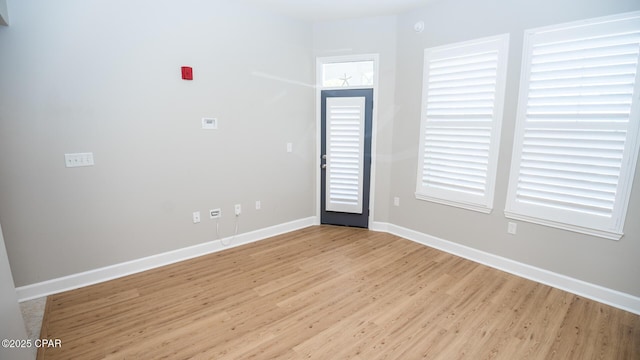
(324, 157)
(324, 166)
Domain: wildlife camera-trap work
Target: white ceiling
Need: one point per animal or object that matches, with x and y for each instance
(322, 10)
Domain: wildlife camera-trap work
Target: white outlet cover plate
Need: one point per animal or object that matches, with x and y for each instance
(209, 123)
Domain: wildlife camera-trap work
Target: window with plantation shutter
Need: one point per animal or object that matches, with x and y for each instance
(345, 154)
(463, 96)
(576, 141)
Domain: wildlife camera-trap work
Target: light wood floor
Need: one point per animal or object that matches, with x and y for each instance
(333, 293)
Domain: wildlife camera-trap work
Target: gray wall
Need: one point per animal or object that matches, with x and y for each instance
(92, 77)
(608, 263)
(10, 316)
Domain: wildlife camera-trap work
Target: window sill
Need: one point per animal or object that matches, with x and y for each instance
(611, 235)
(468, 206)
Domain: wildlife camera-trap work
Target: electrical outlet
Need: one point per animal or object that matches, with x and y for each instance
(196, 217)
(78, 159)
(258, 205)
(396, 201)
(209, 123)
(238, 209)
(512, 228)
(215, 213)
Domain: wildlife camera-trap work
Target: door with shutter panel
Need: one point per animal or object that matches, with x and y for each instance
(346, 156)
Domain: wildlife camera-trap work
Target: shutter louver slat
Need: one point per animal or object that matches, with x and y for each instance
(456, 139)
(575, 72)
(345, 129)
(581, 173)
(574, 122)
(461, 87)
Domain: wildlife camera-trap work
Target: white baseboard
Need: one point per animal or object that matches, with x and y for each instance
(95, 276)
(598, 293)
(595, 292)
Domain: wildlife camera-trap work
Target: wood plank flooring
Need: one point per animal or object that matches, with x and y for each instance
(333, 293)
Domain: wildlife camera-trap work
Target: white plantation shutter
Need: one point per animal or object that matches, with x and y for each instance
(345, 154)
(576, 139)
(463, 92)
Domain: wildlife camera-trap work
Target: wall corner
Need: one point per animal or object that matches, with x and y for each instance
(4, 13)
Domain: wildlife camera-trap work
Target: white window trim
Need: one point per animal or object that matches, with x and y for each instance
(630, 156)
(481, 204)
(342, 59)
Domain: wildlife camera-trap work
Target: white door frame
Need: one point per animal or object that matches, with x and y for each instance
(337, 59)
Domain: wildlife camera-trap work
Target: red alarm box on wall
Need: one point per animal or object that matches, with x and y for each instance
(187, 73)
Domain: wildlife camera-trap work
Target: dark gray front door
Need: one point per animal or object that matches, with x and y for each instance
(346, 157)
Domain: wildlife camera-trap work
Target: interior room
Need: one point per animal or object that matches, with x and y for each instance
(142, 140)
